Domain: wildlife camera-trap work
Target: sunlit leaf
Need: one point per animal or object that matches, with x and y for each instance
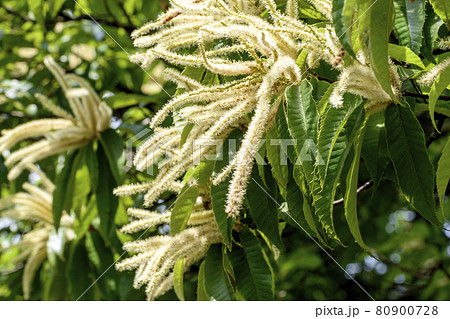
(178, 272)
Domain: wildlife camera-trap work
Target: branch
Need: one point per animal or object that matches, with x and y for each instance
(424, 96)
(323, 78)
(365, 186)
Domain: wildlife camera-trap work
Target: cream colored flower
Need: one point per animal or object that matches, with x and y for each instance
(444, 43)
(156, 256)
(215, 110)
(34, 204)
(208, 111)
(428, 78)
(359, 79)
(90, 117)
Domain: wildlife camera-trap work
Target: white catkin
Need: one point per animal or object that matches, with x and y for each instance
(90, 118)
(205, 111)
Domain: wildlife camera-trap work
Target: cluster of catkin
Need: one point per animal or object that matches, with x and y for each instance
(34, 204)
(209, 35)
(90, 117)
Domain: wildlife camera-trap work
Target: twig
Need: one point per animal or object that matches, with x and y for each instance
(424, 96)
(365, 186)
(323, 78)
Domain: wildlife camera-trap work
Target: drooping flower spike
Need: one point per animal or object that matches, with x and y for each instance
(359, 79)
(156, 256)
(35, 204)
(428, 78)
(247, 96)
(216, 110)
(90, 117)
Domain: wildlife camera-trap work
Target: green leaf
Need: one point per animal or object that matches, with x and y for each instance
(443, 173)
(183, 207)
(195, 73)
(55, 7)
(275, 156)
(78, 266)
(217, 284)
(296, 217)
(178, 272)
(436, 90)
(107, 203)
(335, 140)
(319, 90)
(301, 112)
(307, 10)
(92, 165)
(374, 150)
(404, 54)
(63, 193)
(302, 121)
(114, 149)
(201, 292)
(253, 275)
(441, 107)
(342, 18)
(283, 133)
(430, 31)
(360, 37)
(336, 130)
(185, 133)
(351, 195)
(321, 106)
(219, 192)
(442, 9)
(262, 208)
(202, 173)
(299, 209)
(81, 188)
(121, 100)
(381, 14)
(409, 20)
(83, 223)
(3, 172)
(406, 144)
(55, 286)
(116, 11)
(37, 8)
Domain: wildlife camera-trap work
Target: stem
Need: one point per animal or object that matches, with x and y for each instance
(365, 186)
(424, 96)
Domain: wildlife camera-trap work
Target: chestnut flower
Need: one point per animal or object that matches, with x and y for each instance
(35, 204)
(90, 117)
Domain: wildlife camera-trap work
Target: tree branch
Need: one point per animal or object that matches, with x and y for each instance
(365, 186)
(424, 96)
